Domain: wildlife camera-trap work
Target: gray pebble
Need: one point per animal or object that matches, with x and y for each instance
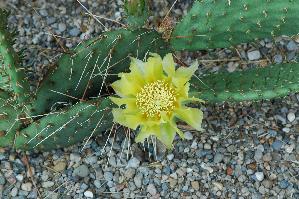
(151, 189)
(81, 171)
(292, 46)
(254, 55)
(276, 145)
(75, 32)
(278, 59)
(259, 176)
(218, 158)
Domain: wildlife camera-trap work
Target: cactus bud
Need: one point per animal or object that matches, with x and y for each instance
(135, 7)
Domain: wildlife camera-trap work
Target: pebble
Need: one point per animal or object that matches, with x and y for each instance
(88, 194)
(14, 192)
(291, 116)
(259, 176)
(283, 184)
(60, 166)
(138, 180)
(75, 32)
(195, 185)
(61, 27)
(276, 145)
(218, 158)
(75, 157)
(254, 55)
(47, 184)
(81, 171)
(133, 163)
(278, 59)
(207, 146)
(2, 180)
(26, 186)
(170, 157)
(188, 135)
(151, 189)
(292, 46)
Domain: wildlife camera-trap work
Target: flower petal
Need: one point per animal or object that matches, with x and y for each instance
(132, 120)
(153, 68)
(146, 131)
(192, 116)
(167, 134)
(184, 74)
(125, 87)
(169, 65)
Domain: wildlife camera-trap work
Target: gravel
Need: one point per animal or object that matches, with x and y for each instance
(246, 150)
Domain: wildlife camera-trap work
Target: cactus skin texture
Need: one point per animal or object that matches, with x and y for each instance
(80, 73)
(253, 84)
(67, 127)
(9, 125)
(137, 12)
(11, 72)
(218, 24)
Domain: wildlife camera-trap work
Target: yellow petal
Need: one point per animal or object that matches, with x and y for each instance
(153, 68)
(167, 134)
(192, 116)
(184, 74)
(146, 131)
(137, 68)
(130, 120)
(125, 87)
(169, 65)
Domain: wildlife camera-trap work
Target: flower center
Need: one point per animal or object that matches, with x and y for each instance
(156, 97)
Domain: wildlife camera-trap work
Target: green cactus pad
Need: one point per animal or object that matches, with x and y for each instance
(253, 84)
(12, 75)
(9, 119)
(67, 127)
(217, 24)
(80, 73)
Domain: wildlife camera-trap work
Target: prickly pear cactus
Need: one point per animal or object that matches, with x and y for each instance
(69, 126)
(218, 24)
(83, 72)
(12, 74)
(253, 84)
(137, 12)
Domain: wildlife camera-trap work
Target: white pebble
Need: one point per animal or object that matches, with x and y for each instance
(188, 135)
(26, 186)
(88, 194)
(291, 116)
(259, 176)
(170, 157)
(133, 163)
(254, 55)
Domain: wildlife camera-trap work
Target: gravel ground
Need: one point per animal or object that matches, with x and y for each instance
(248, 150)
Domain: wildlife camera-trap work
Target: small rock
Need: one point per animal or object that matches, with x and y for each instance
(205, 167)
(195, 185)
(75, 32)
(47, 184)
(172, 182)
(276, 145)
(108, 176)
(138, 180)
(61, 27)
(278, 59)
(254, 55)
(88, 194)
(218, 185)
(218, 158)
(133, 163)
(26, 186)
(2, 180)
(289, 148)
(130, 172)
(283, 184)
(14, 192)
(75, 157)
(272, 133)
(151, 189)
(267, 157)
(259, 176)
(188, 135)
(292, 46)
(231, 67)
(291, 116)
(81, 171)
(170, 157)
(60, 166)
(207, 146)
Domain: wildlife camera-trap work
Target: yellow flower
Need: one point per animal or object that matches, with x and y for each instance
(153, 96)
